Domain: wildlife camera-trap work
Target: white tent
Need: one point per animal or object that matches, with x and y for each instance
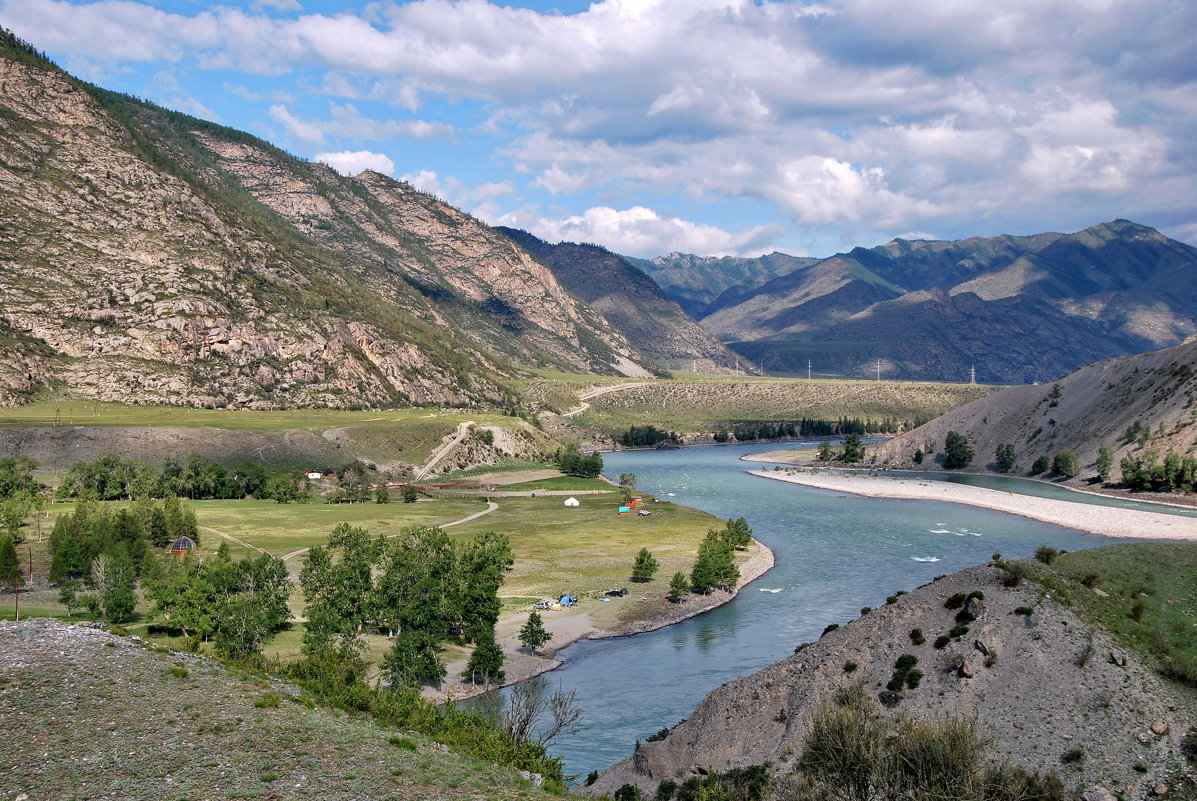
(572, 502)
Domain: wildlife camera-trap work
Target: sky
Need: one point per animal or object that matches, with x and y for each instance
(702, 126)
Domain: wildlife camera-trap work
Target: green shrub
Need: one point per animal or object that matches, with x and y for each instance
(1014, 573)
(270, 700)
(1073, 756)
(403, 742)
(965, 616)
(850, 667)
(955, 600)
(916, 636)
(893, 599)
(178, 671)
(1026, 611)
(942, 641)
(914, 678)
(958, 631)
(864, 610)
(830, 628)
(1046, 554)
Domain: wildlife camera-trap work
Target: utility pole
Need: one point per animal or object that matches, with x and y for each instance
(878, 371)
(972, 374)
(808, 369)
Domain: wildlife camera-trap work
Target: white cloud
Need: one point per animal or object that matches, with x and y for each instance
(346, 123)
(282, 6)
(640, 231)
(478, 199)
(351, 162)
(842, 114)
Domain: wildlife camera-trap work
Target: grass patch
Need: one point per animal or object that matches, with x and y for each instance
(1150, 599)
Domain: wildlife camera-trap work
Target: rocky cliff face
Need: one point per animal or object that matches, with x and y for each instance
(151, 257)
(1054, 683)
(633, 303)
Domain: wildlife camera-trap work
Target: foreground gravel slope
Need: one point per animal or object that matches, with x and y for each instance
(91, 715)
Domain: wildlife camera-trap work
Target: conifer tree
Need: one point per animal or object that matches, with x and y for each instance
(534, 635)
(645, 566)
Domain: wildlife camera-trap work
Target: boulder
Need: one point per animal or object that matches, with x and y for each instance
(965, 671)
(1160, 727)
(1098, 794)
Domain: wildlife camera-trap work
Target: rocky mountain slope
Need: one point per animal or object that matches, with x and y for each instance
(633, 303)
(1095, 404)
(702, 284)
(1018, 308)
(146, 724)
(150, 256)
(1039, 685)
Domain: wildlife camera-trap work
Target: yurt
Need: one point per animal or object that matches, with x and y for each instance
(183, 546)
(572, 502)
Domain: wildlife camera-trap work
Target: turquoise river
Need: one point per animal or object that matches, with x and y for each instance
(835, 554)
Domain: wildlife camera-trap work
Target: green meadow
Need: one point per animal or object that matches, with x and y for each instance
(90, 413)
(582, 550)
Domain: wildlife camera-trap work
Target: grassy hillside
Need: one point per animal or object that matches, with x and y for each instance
(1144, 594)
(706, 404)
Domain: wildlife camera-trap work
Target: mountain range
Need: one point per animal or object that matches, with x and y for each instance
(632, 302)
(1017, 308)
(149, 256)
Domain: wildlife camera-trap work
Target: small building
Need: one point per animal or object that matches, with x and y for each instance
(572, 502)
(183, 546)
(625, 510)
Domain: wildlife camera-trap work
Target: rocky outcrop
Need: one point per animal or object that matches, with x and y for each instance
(147, 256)
(1046, 684)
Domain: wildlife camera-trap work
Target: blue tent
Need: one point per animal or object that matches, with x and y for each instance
(568, 600)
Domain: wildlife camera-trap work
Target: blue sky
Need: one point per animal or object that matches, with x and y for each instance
(702, 126)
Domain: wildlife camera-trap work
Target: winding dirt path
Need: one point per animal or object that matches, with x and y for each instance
(231, 538)
(594, 393)
(463, 429)
(490, 507)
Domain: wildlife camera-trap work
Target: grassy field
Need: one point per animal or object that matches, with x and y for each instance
(588, 549)
(1149, 600)
(708, 403)
(88, 413)
(280, 529)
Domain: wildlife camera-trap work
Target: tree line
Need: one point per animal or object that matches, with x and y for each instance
(752, 430)
(646, 437)
(571, 461)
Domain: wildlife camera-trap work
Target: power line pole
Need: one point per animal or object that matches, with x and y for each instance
(878, 371)
(972, 374)
(808, 369)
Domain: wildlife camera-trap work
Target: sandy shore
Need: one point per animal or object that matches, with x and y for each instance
(647, 613)
(1106, 520)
